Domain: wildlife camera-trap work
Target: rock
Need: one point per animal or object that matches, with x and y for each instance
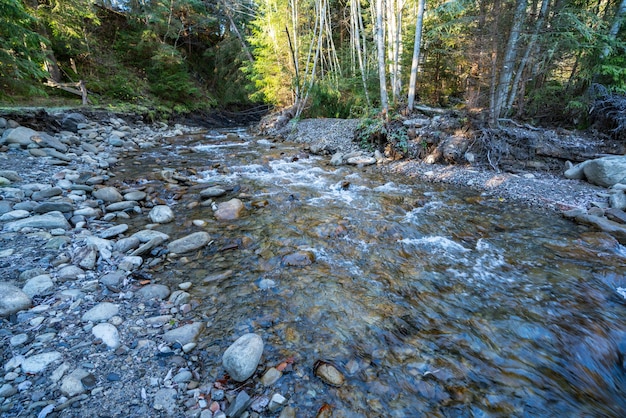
(241, 403)
(11, 175)
(46, 141)
(126, 244)
(41, 285)
(179, 297)
(14, 215)
(299, 259)
(242, 357)
(182, 376)
(161, 214)
(232, 209)
(606, 171)
(72, 121)
(337, 159)
(154, 291)
(108, 334)
(113, 231)
(189, 243)
(46, 193)
(121, 206)
(212, 192)
(113, 279)
(618, 200)
(12, 299)
(108, 195)
(328, 373)
(185, 334)
(288, 412)
(86, 257)
(101, 312)
(7, 390)
(70, 272)
(130, 263)
(46, 207)
(361, 161)
(613, 228)
(135, 196)
(72, 384)
(37, 363)
(277, 402)
(146, 235)
(271, 376)
(20, 135)
(51, 220)
(165, 400)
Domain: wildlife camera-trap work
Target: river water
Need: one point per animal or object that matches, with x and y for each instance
(432, 301)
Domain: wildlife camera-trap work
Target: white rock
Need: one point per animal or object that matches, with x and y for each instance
(12, 299)
(72, 385)
(108, 334)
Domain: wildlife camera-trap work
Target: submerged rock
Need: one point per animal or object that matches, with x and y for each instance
(233, 209)
(189, 243)
(328, 373)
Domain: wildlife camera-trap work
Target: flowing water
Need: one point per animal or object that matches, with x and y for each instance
(433, 301)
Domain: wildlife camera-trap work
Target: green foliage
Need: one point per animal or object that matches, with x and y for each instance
(371, 133)
(21, 56)
(326, 101)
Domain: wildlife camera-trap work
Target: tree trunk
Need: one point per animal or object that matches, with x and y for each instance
(617, 22)
(529, 48)
(508, 64)
(416, 53)
(380, 42)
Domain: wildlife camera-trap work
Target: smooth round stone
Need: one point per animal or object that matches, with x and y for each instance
(190, 242)
(15, 215)
(108, 194)
(72, 384)
(113, 231)
(161, 214)
(130, 263)
(185, 334)
(136, 196)
(241, 359)
(233, 209)
(182, 376)
(212, 192)
(70, 272)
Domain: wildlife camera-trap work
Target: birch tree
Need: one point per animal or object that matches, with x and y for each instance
(416, 52)
(380, 43)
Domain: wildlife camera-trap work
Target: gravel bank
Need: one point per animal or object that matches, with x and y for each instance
(537, 189)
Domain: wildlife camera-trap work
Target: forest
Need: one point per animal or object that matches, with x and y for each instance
(543, 61)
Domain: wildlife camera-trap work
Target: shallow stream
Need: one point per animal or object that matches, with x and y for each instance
(432, 301)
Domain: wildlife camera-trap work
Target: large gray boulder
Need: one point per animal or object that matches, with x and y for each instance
(20, 135)
(606, 171)
(51, 220)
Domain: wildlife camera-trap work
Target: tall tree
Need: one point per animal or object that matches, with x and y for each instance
(416, 52)
(380, 44)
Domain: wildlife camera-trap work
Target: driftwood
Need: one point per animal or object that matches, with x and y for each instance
(75, 88)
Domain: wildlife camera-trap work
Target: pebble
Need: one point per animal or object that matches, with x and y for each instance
(242, 357)
(165, 400)
(189, 243)
(72, 384)
(271, 376)
(328, 373)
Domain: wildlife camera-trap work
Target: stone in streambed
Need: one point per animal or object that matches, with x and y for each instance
(161, 214)
(212, 192)
(154, 291)
(72, 384)
(189, 243)
(12, 299)
(328, 373)
(241, 359)
(299, 259)
(233, 209)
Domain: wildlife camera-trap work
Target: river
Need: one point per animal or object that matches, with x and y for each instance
(431, 300)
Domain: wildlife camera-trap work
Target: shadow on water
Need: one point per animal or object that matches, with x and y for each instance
(432, 301)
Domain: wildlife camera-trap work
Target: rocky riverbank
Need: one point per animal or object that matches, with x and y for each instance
(83, 332)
